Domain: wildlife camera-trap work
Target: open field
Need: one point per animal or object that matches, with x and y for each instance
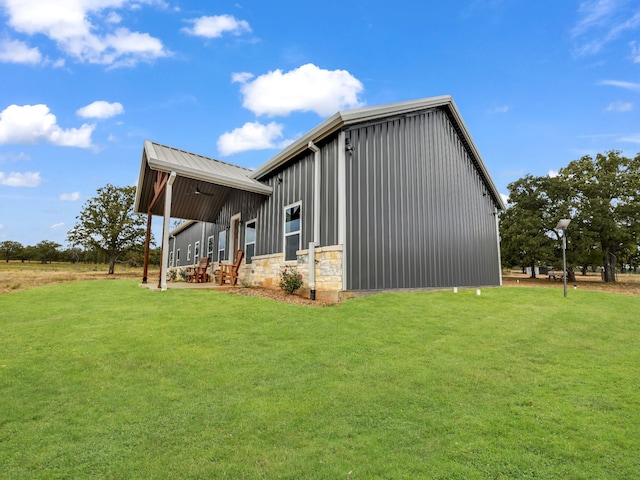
(16, 275)
(102, 379)
(628, 284)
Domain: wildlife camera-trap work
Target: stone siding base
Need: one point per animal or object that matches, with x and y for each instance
(264, 271)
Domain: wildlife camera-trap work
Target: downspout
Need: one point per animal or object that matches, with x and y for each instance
(165, 232)
(316, 219)
(495, 213)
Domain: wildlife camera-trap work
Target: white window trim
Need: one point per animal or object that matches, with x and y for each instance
(284, 228)
(171, 259)
(232, 241)
(255, 221)
(189, 253)
(178, 258)
(210, 245)
(223, 249)
(196, 252)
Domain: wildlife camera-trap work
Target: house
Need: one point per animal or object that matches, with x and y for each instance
(386, 197)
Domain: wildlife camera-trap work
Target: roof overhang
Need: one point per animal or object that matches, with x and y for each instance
(197, 178)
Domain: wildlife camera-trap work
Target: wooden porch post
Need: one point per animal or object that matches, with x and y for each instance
(165, 231)
(147, 248)
(158, 186)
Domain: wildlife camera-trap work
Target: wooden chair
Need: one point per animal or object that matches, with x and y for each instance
(228, 272)
(199, 274)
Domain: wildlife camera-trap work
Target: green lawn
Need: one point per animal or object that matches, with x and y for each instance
(102, 379)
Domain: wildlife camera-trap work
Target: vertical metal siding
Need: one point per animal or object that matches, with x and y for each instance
(295, 183)
(418, 213)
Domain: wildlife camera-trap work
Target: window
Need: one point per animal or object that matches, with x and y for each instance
(178, 258)
(210, 248)
(171, 259)
(196, 252)
(292, 230)
(250, 240)
(189, 253)
(222, 245)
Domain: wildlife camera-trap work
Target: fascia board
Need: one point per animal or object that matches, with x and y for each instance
(345, 118)
(485, 173)
(367, 114)
(141, 175)
(182, 227)
(318, 133)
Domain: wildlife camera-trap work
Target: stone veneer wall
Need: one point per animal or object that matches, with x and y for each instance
(264, 270)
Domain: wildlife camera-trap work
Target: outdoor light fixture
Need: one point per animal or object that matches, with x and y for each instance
(562, 226)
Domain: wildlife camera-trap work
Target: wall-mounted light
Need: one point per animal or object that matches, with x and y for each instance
(347, 145)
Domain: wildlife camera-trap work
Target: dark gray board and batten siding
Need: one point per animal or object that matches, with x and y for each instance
(295, 183)
(418, 213)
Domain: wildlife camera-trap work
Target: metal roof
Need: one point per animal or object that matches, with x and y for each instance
(216, 180)
(196, 177)
(347, 118)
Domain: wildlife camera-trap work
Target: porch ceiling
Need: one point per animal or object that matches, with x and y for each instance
(201, 187)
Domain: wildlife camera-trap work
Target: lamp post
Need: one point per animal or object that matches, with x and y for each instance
(562, 226)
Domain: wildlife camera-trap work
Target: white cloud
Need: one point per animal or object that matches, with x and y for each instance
(101, 109)
(635, 87)
(631, 138)
(30, 124)
(635, 52)
(603, 21)
(500, 109)
(55, 226)
(552, 173)
(14, 157)
(241, 77)
(16, 179)
(15, 51)
(593, 13)
(80, 30)
(505, 198)
(619, 107)
(251, 136)
(217, 25)
(307, 88)
(70, 197)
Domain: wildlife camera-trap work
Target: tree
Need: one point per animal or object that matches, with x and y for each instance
(107, 223)
(604, 195)
(10, 249)
(47, 251)
(527, 226)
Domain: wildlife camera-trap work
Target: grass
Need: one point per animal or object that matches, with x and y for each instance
(102, 379)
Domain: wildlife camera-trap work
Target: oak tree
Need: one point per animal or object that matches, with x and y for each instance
(107, 223)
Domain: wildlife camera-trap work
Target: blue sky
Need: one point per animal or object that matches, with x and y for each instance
(84, 82)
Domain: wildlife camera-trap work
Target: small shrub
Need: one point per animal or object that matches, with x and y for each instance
(290, 280)
(172, 274)
(183, 274)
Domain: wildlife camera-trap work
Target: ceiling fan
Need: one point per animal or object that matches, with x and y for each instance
(197, 191)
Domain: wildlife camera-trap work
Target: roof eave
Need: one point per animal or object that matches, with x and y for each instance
(195, 174)
(327, 127)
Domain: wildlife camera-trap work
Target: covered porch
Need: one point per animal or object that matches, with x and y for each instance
(176, 184)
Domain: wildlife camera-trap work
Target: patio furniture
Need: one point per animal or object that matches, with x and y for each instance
(199, 273)
(228, 272)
